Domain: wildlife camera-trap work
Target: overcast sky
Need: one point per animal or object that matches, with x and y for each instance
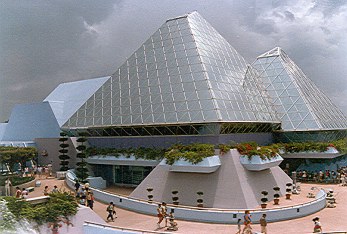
(44, 43)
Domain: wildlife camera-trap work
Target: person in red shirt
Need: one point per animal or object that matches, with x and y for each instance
(18, 192)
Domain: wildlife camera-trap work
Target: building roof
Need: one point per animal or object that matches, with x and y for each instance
(186, 72)
(299, 103)
(30, 121)
(68, 97)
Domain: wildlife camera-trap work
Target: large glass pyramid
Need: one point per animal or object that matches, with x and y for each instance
(299, 103)
(186, 72)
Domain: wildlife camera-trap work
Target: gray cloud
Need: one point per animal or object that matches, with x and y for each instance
(44, 43)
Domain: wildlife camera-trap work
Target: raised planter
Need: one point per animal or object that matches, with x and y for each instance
(256, 163)
(330, 152)
(227, 216)
(208, 165)
(61, 175)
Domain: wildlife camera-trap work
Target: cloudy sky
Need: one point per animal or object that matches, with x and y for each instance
(44, 43)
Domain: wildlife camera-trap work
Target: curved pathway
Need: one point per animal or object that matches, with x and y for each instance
(332, 219)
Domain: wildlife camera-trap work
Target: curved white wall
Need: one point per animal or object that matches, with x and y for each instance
(208, 215)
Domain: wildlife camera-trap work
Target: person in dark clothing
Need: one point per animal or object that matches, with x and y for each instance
(77, 186)
(111, 211)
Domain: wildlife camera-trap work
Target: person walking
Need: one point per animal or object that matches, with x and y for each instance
(317, 225)
(77, 186)
(263, 224)
(39, 171)
(111, 211)
(164, 212)
(247, 222)
(8, 186)
(90, 199)
(159, 215)
(173, 225)
(238, 226)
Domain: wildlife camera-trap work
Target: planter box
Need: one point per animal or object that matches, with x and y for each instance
(61, 175)
(331, 152)
(258, 164)
(208, 165)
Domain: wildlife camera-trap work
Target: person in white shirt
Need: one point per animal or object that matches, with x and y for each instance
(8, 186)
(25, 193)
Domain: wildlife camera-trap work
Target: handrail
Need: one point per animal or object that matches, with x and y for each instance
(122, 228)
(215, 209)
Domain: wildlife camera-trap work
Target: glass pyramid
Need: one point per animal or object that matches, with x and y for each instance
(299, 103)
(186, 72)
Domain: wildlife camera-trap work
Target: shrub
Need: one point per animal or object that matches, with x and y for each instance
(60, 205)
(149, 189)
(265, 193)
(276, 189)
(264, 200)
(16, 180)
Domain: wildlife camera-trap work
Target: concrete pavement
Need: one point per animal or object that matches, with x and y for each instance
(332, 219)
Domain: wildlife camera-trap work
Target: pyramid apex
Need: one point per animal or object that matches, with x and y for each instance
(183, 16)
(273, 52)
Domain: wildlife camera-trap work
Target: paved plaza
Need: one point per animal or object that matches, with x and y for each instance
(332, 219)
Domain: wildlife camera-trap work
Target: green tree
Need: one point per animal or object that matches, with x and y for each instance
(64, 157)
(58, 209)
(82, 170)
(12, 155)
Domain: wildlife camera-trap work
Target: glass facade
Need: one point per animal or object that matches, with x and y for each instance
(130, 175)
(299, 103)
(186, 72)
(186, 79)
(104, 171)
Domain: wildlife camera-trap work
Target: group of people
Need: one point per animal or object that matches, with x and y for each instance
(263, 224)
(46, 190)
(327, 176)
(84, 195)
(111, 212)
(162, 214)
(34, 170)
(20, 193)
(247, 221)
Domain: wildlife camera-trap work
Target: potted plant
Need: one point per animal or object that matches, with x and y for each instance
(288, 190)
(175, 197)
(200, 201)
(263, 202)
(276, 195)
(150, 195)
(264, 199)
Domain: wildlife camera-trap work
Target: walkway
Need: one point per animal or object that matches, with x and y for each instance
(332, 219)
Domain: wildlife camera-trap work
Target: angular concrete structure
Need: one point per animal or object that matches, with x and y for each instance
(231, 186)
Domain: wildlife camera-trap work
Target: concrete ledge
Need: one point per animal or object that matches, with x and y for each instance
(207, 165)
(38, 200)
(208, 215)
(258, 164)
